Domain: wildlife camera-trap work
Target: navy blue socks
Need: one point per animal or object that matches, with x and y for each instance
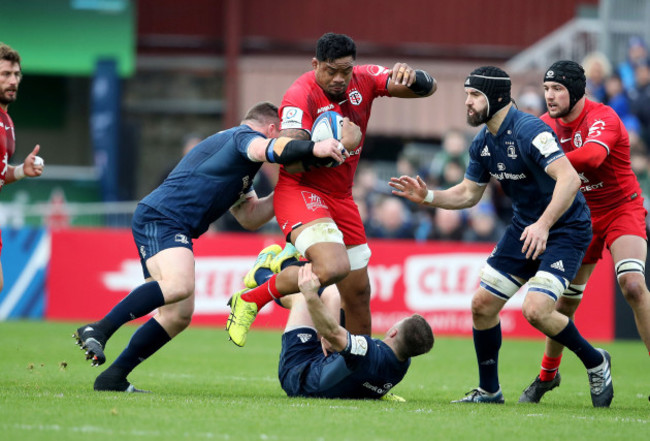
(571, 338)
(141, 301)
(487, 343)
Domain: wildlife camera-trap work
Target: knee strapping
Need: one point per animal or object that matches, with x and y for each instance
(359, 256)
(547, 283)
(574, 291)
(497, 283)
(627, 266)
(318, 233)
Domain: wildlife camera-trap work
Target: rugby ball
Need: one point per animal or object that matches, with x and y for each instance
(328, 125)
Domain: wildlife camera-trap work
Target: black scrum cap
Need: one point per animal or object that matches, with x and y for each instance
(571, 75)
(492, 82)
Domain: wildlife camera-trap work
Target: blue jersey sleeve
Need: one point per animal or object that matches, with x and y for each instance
(476, 171)
(539, 142)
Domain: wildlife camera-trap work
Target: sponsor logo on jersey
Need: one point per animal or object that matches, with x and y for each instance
(511, 176)
(324, 108)
(563, 140)
(291, 118)
(313, 201)
(181, 238)
(586, 188)
(355, 97)
(5, 163)
(501, 166)
(559, 265)
(143, 251)
(485, 151)
(378, 390)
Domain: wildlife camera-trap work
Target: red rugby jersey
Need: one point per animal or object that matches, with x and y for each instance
(305, 100)
(7, 143)
(614, 181)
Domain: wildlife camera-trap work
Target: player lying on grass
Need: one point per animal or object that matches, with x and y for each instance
(342, 365)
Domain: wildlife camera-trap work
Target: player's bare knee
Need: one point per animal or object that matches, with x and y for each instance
(631, 277)
(634, 288)
(175, 291)
(331, 272)
(535, 313)
(481, 307)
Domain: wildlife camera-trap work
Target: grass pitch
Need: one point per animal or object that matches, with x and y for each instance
(205, 388)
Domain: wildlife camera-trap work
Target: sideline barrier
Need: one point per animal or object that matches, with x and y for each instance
(91, 270)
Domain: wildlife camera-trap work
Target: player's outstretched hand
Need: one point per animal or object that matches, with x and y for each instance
(350, 134)
(33, 165)
(534, 237)
(415, 190)
(308, 281)
(403, 74)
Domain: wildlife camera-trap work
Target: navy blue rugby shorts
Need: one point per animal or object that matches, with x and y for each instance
(154, 232)
(565, 248)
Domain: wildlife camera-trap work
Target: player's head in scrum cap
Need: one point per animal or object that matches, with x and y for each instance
(572, 76)
(494, 84)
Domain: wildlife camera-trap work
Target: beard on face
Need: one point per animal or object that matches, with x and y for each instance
(560, 112)
(5, 99)
(477, 118)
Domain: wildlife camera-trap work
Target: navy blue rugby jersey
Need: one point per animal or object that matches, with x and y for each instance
(369, 370)
(517, 157)
(214, 175)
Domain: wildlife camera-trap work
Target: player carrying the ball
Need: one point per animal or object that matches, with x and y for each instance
(315, 209)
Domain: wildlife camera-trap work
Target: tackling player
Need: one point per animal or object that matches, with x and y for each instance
(544, 244)
(215, 176)
(315, 210)
(10, 76)
(346, 365)
(597, 144)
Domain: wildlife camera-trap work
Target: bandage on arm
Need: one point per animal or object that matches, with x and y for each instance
(590, 156)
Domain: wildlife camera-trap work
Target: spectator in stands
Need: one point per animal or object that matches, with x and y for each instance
(640, 98)
(390, 220)
(636, 53)
(483, 224)
(597, 69)
(531, 101)
(448, 166)
(617, 99)
(448, 225)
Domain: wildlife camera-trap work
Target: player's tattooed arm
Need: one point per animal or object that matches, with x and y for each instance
(295, 134)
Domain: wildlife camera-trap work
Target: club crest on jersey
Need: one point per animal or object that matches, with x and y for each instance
(355, 97)
(512, 153)
(577, 140)
(313, 201)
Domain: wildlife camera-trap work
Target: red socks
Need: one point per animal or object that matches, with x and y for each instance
(263, 294)
(550, 366)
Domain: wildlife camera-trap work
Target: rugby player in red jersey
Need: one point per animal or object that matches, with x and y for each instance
(315, 209)
(10, 76)
(597, 144)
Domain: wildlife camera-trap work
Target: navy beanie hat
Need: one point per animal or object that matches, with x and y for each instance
(571, 75)
(492, 82)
